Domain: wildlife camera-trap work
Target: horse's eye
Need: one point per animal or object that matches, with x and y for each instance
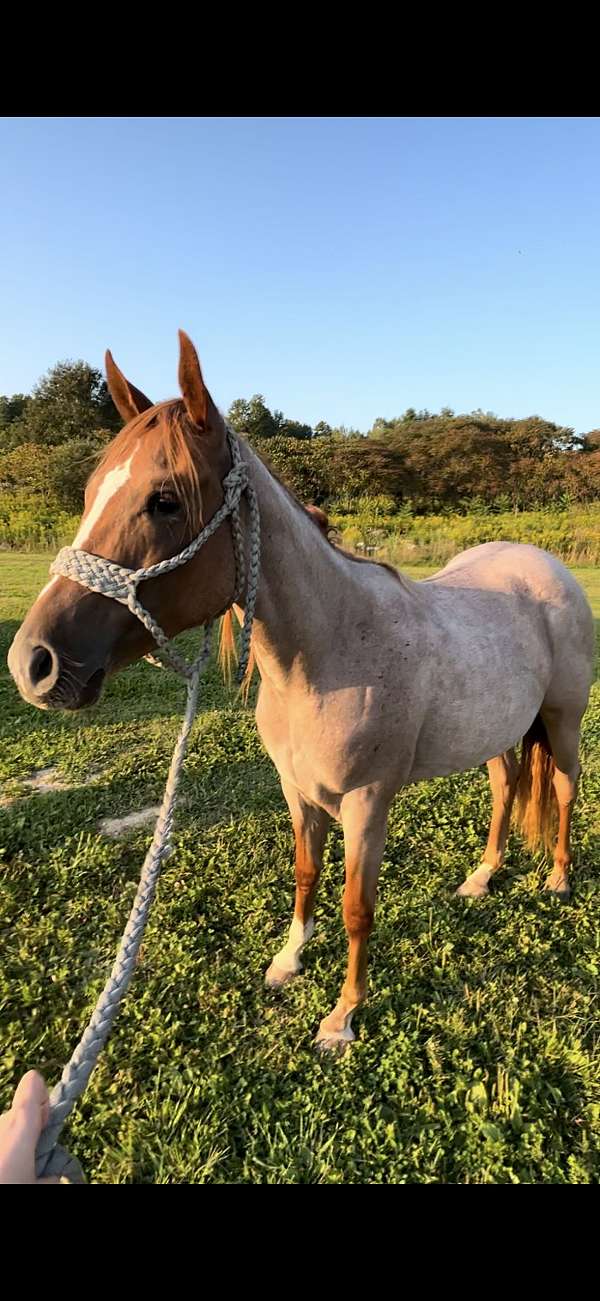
(161, 503)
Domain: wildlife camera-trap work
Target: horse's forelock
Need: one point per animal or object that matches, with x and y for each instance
(179, 445)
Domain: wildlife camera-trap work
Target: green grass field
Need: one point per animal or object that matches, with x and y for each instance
(478, 1056)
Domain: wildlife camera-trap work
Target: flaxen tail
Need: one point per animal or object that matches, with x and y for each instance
(228, 655)
(535, 808)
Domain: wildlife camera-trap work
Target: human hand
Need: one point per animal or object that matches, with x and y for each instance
(20, 1129)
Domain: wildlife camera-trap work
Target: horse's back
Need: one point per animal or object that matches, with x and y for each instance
(511, 630)
(506, 566)
(518, 569)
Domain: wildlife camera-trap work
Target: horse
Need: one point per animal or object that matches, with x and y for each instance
(368, 681)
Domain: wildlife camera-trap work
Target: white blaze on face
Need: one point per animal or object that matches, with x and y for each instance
(113, 480)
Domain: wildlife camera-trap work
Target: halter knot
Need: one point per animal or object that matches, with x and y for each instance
(235, 483)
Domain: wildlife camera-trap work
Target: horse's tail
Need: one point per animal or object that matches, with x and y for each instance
(228, 654)
(535, 808)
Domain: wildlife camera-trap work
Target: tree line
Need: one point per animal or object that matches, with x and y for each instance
(419, 461)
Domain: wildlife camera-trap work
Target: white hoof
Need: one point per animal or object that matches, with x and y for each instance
(476, 884)
(276, 977)
(334, 1041)
(471, 890)
(286, 964)
(335, 1031)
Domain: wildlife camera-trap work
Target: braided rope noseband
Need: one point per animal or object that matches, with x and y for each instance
(110, 579)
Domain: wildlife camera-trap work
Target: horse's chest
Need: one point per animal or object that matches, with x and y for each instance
(331, 742)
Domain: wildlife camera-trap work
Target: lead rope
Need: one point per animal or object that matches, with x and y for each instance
(103, 575)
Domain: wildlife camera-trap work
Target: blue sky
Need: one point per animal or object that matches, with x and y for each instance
(345, 267)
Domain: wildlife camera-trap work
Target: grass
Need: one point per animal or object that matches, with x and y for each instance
(477, 1058)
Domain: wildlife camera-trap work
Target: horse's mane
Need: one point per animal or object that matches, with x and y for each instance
(320, 520)
(317, 516)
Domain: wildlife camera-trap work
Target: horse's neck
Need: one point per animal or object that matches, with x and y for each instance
(305, 587)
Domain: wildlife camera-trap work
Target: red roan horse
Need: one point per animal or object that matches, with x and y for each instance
(368, 681)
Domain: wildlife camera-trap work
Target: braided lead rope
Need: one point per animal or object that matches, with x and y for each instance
(51, 1158)
(253, 576)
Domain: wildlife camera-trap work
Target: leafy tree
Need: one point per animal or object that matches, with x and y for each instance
(294, 429)
(365, 466)
(253, 418)
(70, 467)
(305, 466)
(25, 466)
(12, 408)
(57, 473)
(71, 401)
(538, 438)
(343, 432)
(12, 420)
(473, 463)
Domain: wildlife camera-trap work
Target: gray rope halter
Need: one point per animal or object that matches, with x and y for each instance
(110, 579)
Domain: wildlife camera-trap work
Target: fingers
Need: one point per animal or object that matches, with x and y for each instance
(30, 1105)
(31, 1091)
(20, 1129)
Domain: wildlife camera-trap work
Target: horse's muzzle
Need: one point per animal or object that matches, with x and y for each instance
(50, 681)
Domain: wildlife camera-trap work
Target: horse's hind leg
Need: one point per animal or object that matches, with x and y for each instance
(563, 730)
(503, 772)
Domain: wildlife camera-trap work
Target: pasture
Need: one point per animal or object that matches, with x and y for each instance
(478, 1056)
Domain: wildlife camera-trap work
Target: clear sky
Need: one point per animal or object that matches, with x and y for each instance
(346, 268)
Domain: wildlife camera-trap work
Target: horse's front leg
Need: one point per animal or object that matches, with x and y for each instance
(364, 820)
(311, 825)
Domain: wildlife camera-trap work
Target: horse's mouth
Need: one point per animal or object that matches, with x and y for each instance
(91, 691)
(69, 694)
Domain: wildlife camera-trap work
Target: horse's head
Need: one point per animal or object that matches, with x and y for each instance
(159, 481)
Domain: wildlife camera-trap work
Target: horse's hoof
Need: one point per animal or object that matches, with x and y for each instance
(472, 890)
(331, 1040)
(558, 887)
(329, 1045)
(476, 884)
(276, 977)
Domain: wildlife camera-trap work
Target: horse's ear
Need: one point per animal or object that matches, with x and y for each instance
(191, 383)
(128, 399)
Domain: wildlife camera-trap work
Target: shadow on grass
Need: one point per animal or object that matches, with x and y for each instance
(138, 693)
(225, 791)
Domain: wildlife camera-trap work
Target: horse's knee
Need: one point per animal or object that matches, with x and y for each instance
(307, 876)
(358, 917)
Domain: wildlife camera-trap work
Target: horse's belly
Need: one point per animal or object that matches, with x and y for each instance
(468, 733)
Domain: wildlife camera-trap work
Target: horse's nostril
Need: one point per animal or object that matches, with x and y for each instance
(41, 664)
